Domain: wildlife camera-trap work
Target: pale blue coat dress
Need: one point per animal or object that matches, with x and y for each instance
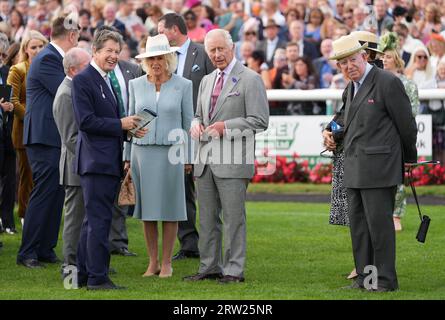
(159, 178)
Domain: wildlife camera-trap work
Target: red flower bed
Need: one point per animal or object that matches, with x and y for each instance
(282, 170)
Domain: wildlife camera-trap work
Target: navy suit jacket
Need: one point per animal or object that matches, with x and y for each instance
(44, 77)
(310, 50)
(100, 138)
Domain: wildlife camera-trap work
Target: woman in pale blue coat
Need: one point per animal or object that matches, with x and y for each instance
(159, 159)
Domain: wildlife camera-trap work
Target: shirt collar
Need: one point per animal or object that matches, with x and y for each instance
(102, 73)
(59, 49)
(229, 68)
(183, 49)
(275, 40)
(367, 70)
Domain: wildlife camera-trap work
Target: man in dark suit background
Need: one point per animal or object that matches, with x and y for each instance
(42, 141)
(99, 156)
(110, 20)
(7, 152)
(379, 136)
(271, 42)
(193, 64)
(124, 72)
(296, 34)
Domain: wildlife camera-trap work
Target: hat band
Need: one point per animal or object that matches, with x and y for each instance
(161, 47)
(371, 45)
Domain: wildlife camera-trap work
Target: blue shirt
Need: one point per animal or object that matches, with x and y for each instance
(182, 54)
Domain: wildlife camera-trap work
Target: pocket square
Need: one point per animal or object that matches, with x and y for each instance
(195, 68)
(235, 93)
(371, 101)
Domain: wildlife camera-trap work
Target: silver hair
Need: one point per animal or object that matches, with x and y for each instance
(219, 32)
(74, 58)
(4, 43)
(170, 58)
(102, 36)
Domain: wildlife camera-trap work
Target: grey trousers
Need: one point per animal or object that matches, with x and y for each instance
(118, 237)
(372, 232)
(230, 195)
(74, 215)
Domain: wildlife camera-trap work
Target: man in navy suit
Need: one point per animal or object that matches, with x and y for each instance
(42, 141)
(109, 13)
(98, 158)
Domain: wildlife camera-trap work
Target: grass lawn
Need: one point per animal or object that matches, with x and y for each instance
(293, 253)
(311, 188)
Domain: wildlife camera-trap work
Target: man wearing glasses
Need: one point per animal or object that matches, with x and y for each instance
(42, 141)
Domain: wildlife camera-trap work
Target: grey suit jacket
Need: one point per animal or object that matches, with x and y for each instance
(129, 71)
(197, 65)
(380, 132)
(67, 127)
(262, 45)
(242, 105)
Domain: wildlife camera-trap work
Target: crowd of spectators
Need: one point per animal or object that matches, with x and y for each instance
(287, 41)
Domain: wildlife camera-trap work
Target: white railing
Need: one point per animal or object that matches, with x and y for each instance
(332, 94)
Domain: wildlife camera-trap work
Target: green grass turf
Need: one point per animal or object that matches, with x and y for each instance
(293, 253)
(311, 188)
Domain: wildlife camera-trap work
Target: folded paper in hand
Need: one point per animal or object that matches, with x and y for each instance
(147, 116)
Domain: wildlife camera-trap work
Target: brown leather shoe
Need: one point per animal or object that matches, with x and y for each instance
(230, 279)
(203, 276)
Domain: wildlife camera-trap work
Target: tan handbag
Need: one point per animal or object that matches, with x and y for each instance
(127, 196)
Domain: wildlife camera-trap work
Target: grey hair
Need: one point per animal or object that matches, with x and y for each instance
(219, 32)
(102, 36)
(4, 42)
(170, 58)
(73, 58)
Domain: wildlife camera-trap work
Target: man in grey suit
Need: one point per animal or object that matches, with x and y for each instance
(379, 136)
(232, 107)
(74, 61)
(193, 64)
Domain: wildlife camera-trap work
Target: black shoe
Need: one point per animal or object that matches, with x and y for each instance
(109, 285)
(50, 260)
(203, 276)
(123, 252)
(30, 263)
(383, 289)
(185, 254)
(354, 285)
(230, 279)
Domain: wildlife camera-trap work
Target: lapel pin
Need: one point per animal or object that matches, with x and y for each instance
(234, 80)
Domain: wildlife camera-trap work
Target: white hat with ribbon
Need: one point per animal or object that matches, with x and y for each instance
(157, 46)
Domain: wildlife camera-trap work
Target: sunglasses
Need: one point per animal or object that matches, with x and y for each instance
(250, 33)
(422, 57)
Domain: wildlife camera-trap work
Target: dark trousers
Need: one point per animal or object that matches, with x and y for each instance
(7, 189)
(25, 181)
(44, 212)
(373, 234)
(93, 256)
(187, 232)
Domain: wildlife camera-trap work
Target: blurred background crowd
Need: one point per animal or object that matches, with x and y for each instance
(288, 42)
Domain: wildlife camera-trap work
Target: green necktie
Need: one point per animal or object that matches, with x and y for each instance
(117, 91)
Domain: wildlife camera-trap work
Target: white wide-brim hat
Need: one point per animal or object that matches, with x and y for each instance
(346, 46)
(157, 46)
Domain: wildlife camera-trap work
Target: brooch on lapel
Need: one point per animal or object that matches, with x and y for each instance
(234, 80)
(102, 91)
(371, 101)
(195, 68)
(235, 93)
